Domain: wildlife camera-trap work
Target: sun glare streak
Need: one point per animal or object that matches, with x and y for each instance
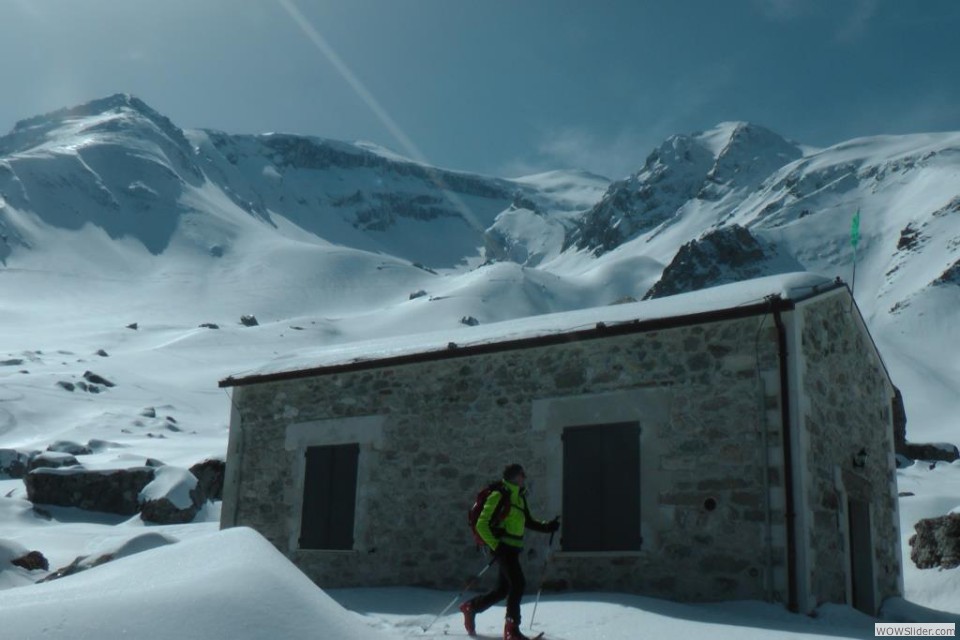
(374, 105)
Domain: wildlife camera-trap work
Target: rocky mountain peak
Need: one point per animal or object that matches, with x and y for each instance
(749, 155)
(721, 256)
(708, 165)
(116, 114)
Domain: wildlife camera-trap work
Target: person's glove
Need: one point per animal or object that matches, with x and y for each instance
(500, 550)
(553, 525)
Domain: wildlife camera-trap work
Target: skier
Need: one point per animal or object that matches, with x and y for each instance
(504, 536)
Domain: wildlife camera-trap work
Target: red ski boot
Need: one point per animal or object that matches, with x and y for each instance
(511, 631)
(469, 617)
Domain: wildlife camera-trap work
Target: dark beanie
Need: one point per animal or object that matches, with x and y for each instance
(512, 471)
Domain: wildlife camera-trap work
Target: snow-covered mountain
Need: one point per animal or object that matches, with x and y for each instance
(116, 197)
(129, 249)
(739, 201)
(119, 165)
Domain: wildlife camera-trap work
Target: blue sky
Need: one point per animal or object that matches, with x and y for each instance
(496, 86)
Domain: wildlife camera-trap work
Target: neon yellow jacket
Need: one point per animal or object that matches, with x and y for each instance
(510, 529)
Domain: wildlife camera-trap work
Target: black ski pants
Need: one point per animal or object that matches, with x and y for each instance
(510, 584)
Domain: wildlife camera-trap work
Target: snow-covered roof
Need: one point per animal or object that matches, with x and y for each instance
(705, 305)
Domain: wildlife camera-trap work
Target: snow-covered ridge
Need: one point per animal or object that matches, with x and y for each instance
(95, 162)
(130, 248)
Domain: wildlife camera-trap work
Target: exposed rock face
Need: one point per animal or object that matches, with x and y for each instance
(672, 174)
(33, 561)
(52, 460)
(725, 255)
(936, 542)
(950, 276)
(112, 491)
(936, 451)
(210, 474)
(733, 157)
(13, 463)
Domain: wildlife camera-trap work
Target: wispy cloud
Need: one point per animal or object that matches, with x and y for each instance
(691, 101)
(614, 155)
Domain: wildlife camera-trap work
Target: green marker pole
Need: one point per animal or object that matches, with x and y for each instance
(854, 240)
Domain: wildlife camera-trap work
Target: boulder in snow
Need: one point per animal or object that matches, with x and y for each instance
(936, 542)
(110, 491)
(249, 321)
(173, 497)
(13, 573)
(93, 378)
(52, 460)
(32, 561)
(13, 463)
(935, 451)
(209, 474)
(68, 446)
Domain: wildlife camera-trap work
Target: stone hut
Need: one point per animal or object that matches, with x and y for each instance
(732, 443)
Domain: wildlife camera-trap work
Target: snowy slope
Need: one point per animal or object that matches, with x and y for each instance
(229, 585)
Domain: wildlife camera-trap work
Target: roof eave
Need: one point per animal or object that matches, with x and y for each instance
(601, 330)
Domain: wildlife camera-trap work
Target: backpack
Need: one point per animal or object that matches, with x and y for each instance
(499, 514)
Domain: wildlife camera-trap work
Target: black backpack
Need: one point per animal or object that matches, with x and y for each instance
(499, 514)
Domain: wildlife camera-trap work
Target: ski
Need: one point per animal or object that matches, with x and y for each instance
(461, 634)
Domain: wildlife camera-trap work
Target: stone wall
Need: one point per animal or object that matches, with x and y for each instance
(449, 426)
(849, 410)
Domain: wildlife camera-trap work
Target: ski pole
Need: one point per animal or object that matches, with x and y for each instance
(469, 584)
(543, 573)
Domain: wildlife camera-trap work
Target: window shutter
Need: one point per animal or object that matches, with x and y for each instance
(601, 487)
(329, 497)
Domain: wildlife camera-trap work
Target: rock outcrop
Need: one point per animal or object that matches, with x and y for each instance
(936, 542)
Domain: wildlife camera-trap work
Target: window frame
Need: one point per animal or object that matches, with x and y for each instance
(365, 431)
